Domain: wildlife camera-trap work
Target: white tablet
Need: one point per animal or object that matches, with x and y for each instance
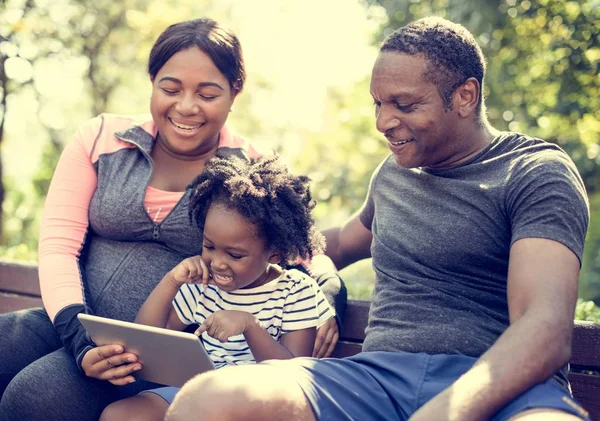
(167, 356)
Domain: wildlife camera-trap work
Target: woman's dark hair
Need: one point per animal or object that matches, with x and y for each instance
(452, 52)
(220, 44)
(278, 203)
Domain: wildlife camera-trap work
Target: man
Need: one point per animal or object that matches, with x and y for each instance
(476, 237)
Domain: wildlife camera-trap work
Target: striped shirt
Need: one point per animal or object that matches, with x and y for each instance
(291, 302)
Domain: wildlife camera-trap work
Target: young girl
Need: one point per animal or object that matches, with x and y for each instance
(255, 217)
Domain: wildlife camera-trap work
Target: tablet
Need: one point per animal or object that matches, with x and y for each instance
(168, 357)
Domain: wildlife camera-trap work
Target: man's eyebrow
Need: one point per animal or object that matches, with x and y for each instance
(200, 85)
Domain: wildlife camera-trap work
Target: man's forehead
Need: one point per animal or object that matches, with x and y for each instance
(399, 76)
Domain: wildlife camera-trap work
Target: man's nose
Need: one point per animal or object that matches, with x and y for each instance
(385, 120)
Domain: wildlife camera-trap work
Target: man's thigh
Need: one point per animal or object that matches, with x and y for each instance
(386, 386)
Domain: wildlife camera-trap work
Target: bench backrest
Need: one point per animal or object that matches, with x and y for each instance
(19, 289)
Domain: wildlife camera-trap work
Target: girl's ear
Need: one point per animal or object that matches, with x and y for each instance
(274, 259)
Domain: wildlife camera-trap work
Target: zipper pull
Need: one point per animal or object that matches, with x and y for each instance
(156, 233)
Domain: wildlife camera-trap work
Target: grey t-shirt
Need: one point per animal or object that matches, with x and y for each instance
(441, 241)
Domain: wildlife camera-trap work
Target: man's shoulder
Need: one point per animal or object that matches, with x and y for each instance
(523, 145)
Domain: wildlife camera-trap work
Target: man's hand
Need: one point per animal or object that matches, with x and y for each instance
(327, 337)
(108, 362)
(224, 324)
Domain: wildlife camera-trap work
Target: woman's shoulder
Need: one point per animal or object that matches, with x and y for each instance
(99, 135)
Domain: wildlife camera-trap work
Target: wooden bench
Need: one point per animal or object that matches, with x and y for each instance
(19, 289)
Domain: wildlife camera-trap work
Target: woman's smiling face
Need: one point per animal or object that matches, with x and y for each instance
(190, 102)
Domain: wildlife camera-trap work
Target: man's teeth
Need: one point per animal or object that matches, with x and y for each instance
(402, 142)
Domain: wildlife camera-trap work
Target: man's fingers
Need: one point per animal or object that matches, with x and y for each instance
(325, 343)
(336, 337)
(318, 343)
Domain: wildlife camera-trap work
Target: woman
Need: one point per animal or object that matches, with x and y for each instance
(115, 221)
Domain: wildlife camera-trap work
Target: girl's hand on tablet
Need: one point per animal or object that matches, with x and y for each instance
(192, 270)
(110, 362)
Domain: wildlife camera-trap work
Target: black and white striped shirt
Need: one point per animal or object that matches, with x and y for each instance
(291, 302)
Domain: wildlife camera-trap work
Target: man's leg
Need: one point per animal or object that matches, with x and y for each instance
(26, 336)
(250, 392)
(541, 414)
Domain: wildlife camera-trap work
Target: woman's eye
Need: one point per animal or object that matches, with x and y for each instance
(207, 97)
(169, 91)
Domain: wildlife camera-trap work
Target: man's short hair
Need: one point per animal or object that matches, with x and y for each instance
(452, 52)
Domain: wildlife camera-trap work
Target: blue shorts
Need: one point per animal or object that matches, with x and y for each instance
(167, 393)
(393, 385)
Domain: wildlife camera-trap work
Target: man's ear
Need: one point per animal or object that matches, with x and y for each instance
(466, 97)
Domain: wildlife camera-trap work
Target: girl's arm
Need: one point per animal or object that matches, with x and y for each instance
(298, 343)
(158, 308)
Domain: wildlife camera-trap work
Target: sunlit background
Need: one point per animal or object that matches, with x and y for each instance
(307, 97)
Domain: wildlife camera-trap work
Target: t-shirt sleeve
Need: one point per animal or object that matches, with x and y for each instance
(65, 221)
(301, 307)
(547, 199)
(186, 302)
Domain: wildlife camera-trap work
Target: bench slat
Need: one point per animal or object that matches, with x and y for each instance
(13, 302)
(20, 278)
(587, 391)
(346, 349)
(355, 320)
(586, 345)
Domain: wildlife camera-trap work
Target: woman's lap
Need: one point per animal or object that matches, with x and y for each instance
(40, 380)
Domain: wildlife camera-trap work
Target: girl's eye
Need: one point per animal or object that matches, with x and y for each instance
(207, 247)
(235, 256)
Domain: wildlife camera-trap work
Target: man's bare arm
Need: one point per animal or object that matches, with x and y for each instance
(349, 243)
(542, 292)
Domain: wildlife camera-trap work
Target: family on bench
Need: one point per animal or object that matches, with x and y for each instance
(476, 238)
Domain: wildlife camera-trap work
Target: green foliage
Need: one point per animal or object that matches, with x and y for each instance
(587, 310)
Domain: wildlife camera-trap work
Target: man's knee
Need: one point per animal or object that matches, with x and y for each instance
(543, 414)
(244, 392)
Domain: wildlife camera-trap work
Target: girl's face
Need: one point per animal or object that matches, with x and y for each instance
(190, 102)
(233, 251)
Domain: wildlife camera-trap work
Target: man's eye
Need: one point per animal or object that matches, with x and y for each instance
(406, 108)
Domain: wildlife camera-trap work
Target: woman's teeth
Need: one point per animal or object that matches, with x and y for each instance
(185, 126)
